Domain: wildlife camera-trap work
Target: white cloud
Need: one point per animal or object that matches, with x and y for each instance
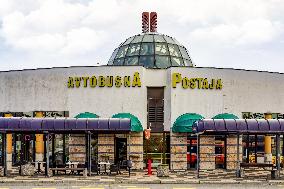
(250, 32)
(82, 40)
(82, 32)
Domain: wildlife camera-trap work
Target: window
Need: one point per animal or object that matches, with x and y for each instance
(174, 50)
(191, 155)
(220, 152)
(24, 148)
(177, 61)
(118, 61)
(159, 38)
(131, 60)
(153, 149)
(169, 39)
(161, 49)
(253, 148)
(121, 52)
(147, 61)
(137, 39)
(162, 61)
(155, 96)
(148, 38)
(59, 149)
(147, 49)
(133, 49)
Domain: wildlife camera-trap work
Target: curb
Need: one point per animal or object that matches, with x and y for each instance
(85, 182)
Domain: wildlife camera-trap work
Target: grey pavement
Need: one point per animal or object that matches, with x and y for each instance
(144, 186)
(216, 178)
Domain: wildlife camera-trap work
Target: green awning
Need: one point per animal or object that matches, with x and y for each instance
(225, 116)
(86, 115)
(136, 125)
(183, 123)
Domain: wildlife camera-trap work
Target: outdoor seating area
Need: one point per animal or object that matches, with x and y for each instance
(76, 168)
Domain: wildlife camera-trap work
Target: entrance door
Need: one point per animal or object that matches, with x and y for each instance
(120, 149)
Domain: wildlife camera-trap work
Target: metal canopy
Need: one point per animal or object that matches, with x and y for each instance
(64, 124)
(246, 126)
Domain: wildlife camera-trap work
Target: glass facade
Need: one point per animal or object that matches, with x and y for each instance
(24, 148)
(253, 149)
(191, 155)
(153, 149)
(151, 51)
(94, 148)
(220, 152)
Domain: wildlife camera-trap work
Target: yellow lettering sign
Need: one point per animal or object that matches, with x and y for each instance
(176, 78)
(192, 83)
(102, 81)
(70, 82)
(136, 80)
(117, 81)
(93, 81)
(105, 81)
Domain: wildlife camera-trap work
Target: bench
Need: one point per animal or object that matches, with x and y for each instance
(72, 169)
(259, 165)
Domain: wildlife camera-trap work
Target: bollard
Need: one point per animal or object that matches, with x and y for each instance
(149, 167)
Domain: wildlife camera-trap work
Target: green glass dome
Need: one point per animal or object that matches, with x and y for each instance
(151, 50)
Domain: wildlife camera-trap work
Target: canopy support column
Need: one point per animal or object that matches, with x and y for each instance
(278, 152)
(53, 150)
(89, 162)
(64, 148)
(4, 147)
(129, 146)
(47, 154)
(197, 154)
(238, 156)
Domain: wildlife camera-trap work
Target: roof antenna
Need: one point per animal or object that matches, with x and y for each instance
(149, 22)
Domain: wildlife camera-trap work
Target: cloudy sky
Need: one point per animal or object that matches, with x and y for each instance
(245, 34)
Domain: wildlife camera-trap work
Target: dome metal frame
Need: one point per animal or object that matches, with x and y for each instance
(151, 50)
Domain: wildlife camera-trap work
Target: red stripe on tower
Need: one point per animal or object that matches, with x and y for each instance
(153, 22)
(145, 22)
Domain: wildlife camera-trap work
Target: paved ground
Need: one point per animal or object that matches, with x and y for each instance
(146, 186)
(253, 177)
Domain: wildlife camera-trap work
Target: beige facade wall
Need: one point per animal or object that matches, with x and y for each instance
(178, 151)
(77, 148)
(232, 151)
(105, 147)
(46, 89)
(135, 148)
(207, 152)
